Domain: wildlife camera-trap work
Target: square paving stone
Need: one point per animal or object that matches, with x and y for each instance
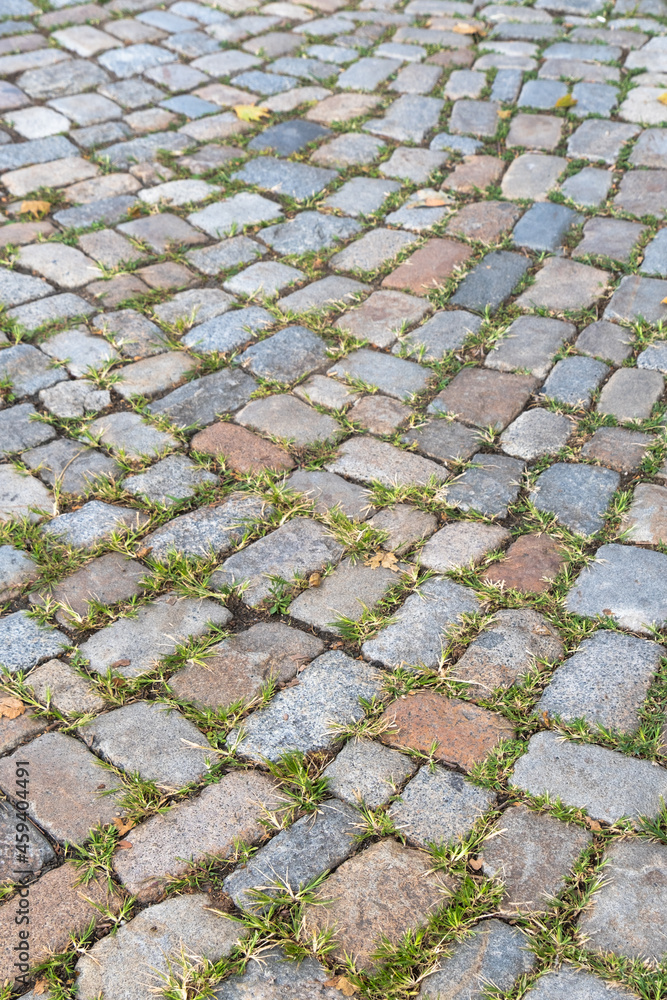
(324, 391)
(574, 380)
(65, 798)
(287, 355)
(328, 491)
(79, 350)
(133, 335)
(607, 784)
(600, 140)
(20, 428)
(379, 414)
(109, 579)
(445, 440)
(537, 432)
(16, 288)
(60, 686)
(64, 264)
(346, 593)
(199, 402)
(301, 546)
(133, 646)
(308, 231)
(23, 496)
(409, 119)
(348, 150)
(296, 180)
(342, 107)
(225, 334)
(207, 531)
(545, 227)
(462, 543)
(531, 564)
(575, 984)
(489, 485)
(646, 520)
(17, 569)
(532, 854)
(287, 417)
(368, 772)
(465, 733)
(606, 340)
(617, 448)
(148, 739)
(506, 650)
(26, 642)
(367, 460)
(534, 132)
(494, 954)
(313, 845)
(631, 393)
(625, 915)
(578, 495)
(654, 357)
(589, 187)
(239, 667)
(613, 238)
(384, 315)
(242, 209)
(484, 397)
(28, 370)
(65, 910)
(404, 526)
(490, 282)
(208, 826)
(379, 894)
(151, 376)
(160, 232)
(533, 176)
(476, 173)
(127, 434)
(223, 256)
(367, 73)
(153, 940)
(563, 284)
(414, 165)
(288, 137)
(277, 973)
(638, 298)
(193, 306)
(301, 718)
(605, 682)
(478, 118)
(94, 522)
(417, 634)
(174, 478)
(429, 267)
(372, 251)
(530, 344)
(240, 450)
(393, 376)
(323, 294)
(642, 192)
(438, 807)
(264, 280)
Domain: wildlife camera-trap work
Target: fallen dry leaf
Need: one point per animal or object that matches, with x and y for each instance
(124, 845)
(592, 824)
(36, 208)
(467, 29)
(434, 201)
(505, 114)
(120, 663)
(40, 986)
(384, 560)
(11, 708)
(566, 101)
(122, 824)
(315, 579)
(343, 984)
(250, 113)
(663, 98)
(476, 864)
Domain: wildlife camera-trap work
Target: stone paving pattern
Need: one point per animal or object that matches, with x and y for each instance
(333, 450)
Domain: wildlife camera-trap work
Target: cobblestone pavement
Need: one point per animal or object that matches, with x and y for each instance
(333, 500)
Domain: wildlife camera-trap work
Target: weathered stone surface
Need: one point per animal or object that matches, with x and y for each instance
(491, 282)
(58, 685)
(489, 485)
(367, 460)
(27, 370)
(617, 448)
(563, 285)
(65, 785)
(287, 355)
(301, 546)
(174, 478)
(404, 526)
(60, 907)
(313, 845)
(531, 564)
(417, 635)
(368, 772)
(25, 642)
(494, 955)
(624, 917)
(346, 593)
(240, 666)
(240, 450)
(484, 397)
(301, 718)
(22, 496)
(200, 401)
(381, 892)
(17, 569)
(605, 340)
(429, 267)
(646, 520)
(607, 784)
(38, 852)
(574, 380)
(94, 522)
(462, 543)
(531, 854)
(464, 733)
(537, 432)
(127, 435)
(578, 495)
(154, 939)
(575, 984)
(208, 531)
(276, 977)
(506, 650)
(20, 429)
(203, 827)
(132, 646)
(109, 579)
(438, 806)
(631, 393)
(328, 491)
(530, 344)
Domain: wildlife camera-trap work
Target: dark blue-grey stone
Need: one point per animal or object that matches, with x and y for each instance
(190, 106)
(489, 485)
(308, 231)
(506, 84)
(25, 154)
(578, 495)
(456, 143)
(495, 954)
(541, 93)
(544, 226)
(298, 180)
(264, 83)
(307, 69)
(109, 210)
(655, 255)
(574, 380)
(288, 137)
(491, 282)
(593, 99)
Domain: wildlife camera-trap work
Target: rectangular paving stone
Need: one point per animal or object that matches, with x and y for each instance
(366, 460)
(381, 317)
(346, 593)
(484, 398)
(209, 825)
(439, 807)
(429, 267)
(530, 345)
(212, 530)
(607, 784)
(490, 282)
(495, 953)
(301, 718)
(94, 522)
(25, 642)
(631, 393)
(366, 771)
(393, 376)
(489, 485)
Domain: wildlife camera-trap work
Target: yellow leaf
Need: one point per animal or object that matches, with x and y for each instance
(314, 580)
(35, 208)
(343, 984)
(11, 708)
(250, 113)
(505, 114)
(384, 560)
(663, 302)
(467, 29)
(123, 825)
(663, 98)
(566, 101)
